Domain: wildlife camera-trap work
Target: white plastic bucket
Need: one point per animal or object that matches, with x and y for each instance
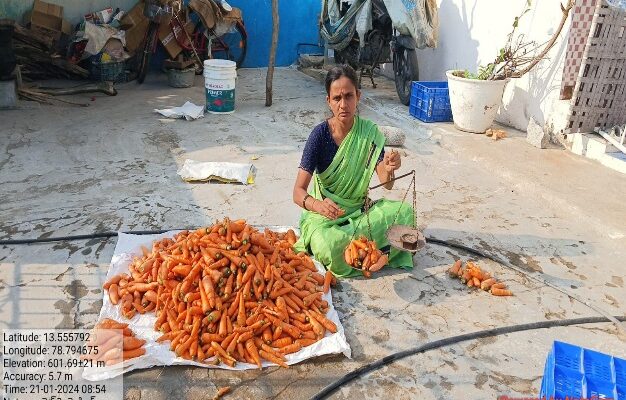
(219, 83)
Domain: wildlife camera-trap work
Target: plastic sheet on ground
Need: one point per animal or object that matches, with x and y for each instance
(189, 111)
(159, 354)
(225, 172)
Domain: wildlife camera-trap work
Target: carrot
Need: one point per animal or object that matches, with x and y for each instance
(267, 335)
(221, 392)
(126, 354)
(353, 253)
(311, 297)
(318, 329)
(327, 280)
(254, 352)
(360, 244)
(260, 240)
(327, 323)
(292, 348)
(277, 333)
(114, 279)
(131, 343)
(237, 227)
(306, 342)
(114, 295)
(487, 283)
(151, 295)
(272, 358)
(454, 270)
(382, 261)
(476, 282)
(143, 287)
(108, 323)
(201, 356)
(499, 285)
(243, 337)
(282, 342)
(500, 292)
(282, 307)
(466, 276)
(219, 350)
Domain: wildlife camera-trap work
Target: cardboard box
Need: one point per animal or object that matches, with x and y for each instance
(167, 38)
(48, 18)
(135, 24)
(133, 17)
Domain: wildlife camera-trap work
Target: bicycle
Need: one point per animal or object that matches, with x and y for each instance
(226, 38)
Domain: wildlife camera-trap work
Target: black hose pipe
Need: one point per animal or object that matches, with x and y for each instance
(330, 389)
(97, 235)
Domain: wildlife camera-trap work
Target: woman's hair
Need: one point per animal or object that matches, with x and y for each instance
(339, 71)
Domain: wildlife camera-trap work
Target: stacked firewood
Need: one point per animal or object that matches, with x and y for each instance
(37, 56)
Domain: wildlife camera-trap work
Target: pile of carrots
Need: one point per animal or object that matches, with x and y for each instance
(363, 254)
(228, 293)
(112, 346)
(473, 276)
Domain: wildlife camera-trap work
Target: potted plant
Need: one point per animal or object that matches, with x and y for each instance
(476, 97)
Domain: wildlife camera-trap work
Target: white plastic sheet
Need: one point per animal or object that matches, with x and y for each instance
(159, 354)
(188, 111)
(418, 19)
(226, 172)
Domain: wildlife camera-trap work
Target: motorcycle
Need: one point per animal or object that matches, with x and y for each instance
(380, 43)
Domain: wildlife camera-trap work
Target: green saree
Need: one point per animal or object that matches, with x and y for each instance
(345, 181)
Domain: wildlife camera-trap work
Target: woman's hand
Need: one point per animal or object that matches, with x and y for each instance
(391, 161)
(327, 208)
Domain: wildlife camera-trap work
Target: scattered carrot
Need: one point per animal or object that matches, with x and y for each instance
(221, 392)
(472, 275)
(228, 293)
(454, 270)
(487, 283)
(500, 292)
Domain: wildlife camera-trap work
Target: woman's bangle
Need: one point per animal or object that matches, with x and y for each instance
(304, 201)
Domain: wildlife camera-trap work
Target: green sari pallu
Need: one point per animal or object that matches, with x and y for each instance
(345, 182)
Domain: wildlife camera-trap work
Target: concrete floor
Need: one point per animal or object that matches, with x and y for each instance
(112, 166)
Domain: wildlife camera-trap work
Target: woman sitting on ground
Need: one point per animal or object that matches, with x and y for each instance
(341, 155)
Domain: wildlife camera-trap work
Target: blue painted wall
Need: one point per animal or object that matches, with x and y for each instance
(298, 24)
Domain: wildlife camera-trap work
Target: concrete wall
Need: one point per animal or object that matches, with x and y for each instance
(298, 23)
(73, 10)
(472, 31)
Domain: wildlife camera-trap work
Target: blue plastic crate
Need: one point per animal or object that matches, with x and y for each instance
(430, 101)
(620, 370)
(598, 366)
(575, 372)
(621, 392)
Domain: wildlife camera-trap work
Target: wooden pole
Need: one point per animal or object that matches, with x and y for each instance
(270, 65)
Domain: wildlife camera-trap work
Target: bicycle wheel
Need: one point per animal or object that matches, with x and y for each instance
(232, 45)
(148, 47)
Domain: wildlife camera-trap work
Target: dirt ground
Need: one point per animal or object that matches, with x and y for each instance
(113, 166)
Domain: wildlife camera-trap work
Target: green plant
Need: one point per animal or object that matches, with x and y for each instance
(518, 56)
